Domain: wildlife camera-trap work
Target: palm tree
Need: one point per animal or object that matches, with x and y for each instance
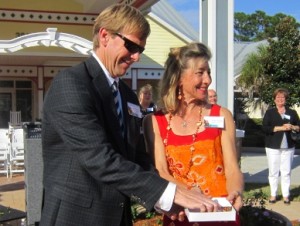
(252, 74)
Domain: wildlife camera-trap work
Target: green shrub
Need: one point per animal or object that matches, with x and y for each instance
(254, 135)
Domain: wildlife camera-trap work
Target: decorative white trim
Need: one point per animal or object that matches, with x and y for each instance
(49, 38)
(127, 75)
(50, 72)
(46, 17)
(17, 71)
(29, 71)
(53, 38)
(150, 73)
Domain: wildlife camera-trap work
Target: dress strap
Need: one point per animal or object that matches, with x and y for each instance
(215, 110)
(162, 123)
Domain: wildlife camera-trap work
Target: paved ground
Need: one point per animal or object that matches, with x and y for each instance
(253, 165)
(255, 169)
(12, 195)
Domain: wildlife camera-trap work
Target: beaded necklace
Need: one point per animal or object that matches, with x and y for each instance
(192, 147)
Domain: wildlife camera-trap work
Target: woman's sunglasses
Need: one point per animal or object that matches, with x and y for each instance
(130, 45)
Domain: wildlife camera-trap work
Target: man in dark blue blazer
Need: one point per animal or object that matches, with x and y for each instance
(92, 165)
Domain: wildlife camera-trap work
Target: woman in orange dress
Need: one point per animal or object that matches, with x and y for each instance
(188, 150)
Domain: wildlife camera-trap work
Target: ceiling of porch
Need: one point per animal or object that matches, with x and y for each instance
(90, 6)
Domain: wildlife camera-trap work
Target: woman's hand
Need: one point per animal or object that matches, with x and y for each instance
(236, 199)
(287, 127)
(295, 128)
(284, 127)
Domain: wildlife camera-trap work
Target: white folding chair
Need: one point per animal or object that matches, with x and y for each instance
(15, 118)
(4, 151)
(16, 160)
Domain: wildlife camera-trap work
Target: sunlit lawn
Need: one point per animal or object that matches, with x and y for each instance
(294, 191)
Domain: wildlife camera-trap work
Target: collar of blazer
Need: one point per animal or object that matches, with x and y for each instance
(103, 90)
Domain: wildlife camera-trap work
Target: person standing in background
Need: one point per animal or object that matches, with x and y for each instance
(92, 162)
(212, 96)
(145, 98)
(147, 105)
(187, 150)
(278, 123)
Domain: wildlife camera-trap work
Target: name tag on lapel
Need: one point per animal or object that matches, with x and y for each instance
(134, 110)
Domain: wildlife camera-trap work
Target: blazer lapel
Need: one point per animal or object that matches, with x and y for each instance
(105, 94)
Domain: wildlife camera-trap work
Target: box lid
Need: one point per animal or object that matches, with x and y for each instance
(197, 216)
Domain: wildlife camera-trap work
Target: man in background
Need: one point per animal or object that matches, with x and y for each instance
(212, 96)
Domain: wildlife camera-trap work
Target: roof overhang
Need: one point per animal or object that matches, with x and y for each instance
(43, 59)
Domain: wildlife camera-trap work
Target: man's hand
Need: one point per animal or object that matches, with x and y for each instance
(194, 199)
(175, 213)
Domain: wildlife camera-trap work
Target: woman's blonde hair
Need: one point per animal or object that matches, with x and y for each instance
(145, 88)
(121, 18)
(176, 63)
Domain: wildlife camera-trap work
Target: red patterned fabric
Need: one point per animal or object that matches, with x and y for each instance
(207, 170)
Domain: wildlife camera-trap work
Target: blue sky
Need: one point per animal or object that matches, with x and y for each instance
(189, 9)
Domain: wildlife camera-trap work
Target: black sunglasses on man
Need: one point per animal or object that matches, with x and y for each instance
(130, 45)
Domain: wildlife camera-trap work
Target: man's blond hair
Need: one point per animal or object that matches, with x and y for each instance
(121, 18)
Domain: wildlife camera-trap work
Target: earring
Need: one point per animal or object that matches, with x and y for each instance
(179, 97)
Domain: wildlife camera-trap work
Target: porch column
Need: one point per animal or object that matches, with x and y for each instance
(216, 31)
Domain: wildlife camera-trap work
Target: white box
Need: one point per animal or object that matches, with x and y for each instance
(197, 216)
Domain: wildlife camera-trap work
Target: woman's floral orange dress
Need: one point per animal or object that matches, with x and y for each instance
(207, 170)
